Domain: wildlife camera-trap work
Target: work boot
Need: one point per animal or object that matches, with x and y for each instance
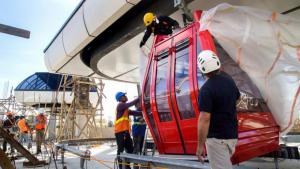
(126, 167)
(12, 151)
(38, 151)
(29, 146)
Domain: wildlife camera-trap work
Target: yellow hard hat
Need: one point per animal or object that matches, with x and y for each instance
(148, 18)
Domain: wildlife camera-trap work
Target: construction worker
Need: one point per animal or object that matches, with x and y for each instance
(24, 130)
(122, 124)
(40, 126)
(138, 132)
(162, 25)
(8, 125)
(217, 123)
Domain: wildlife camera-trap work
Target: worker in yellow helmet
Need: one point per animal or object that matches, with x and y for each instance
(162, 25)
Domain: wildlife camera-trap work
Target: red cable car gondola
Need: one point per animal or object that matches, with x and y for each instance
(170, 91)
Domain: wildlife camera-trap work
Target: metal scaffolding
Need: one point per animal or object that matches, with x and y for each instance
(10, 104)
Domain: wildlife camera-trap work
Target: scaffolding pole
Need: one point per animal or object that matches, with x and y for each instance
(79, 119)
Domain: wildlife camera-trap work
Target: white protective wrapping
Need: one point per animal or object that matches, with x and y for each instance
(266, 45)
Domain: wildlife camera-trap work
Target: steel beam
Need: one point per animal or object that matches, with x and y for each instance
(74, 141)
(169, 162)
(84, 155)
(14, 31)
(163, 162)
(124, 29)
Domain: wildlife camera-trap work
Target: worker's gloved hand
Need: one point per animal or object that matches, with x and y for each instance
(176, 27)
(142, 44)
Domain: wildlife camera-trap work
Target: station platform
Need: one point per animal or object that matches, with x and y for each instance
(106, 153)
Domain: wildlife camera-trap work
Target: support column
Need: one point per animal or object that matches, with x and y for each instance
(82, 106)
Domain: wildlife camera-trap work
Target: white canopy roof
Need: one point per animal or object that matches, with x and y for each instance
(93, 17)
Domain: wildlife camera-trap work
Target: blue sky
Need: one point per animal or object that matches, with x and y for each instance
(21, 57)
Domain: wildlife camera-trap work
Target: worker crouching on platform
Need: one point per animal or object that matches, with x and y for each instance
(122, 125)
(40, 127)
(24, 131)
(217, 124)
(162, 25)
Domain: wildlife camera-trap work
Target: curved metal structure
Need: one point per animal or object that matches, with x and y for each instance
(44, 88)
(101, 38)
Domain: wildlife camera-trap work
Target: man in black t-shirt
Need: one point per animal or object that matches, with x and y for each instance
(217, 124)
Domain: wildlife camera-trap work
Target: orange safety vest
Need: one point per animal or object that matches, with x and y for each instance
(23, 126)
(122, 124)
(41, 122)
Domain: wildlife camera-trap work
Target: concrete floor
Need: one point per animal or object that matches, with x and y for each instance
(107, 153)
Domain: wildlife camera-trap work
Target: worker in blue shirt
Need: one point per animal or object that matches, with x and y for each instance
(122, 124)
(138, 133)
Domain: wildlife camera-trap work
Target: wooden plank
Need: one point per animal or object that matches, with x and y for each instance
(19, 147)
(5, 161)
(14, 31)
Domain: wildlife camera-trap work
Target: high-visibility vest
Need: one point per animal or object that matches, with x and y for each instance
(122, 123)
(23, 126)
(138, 122)
(41, 122)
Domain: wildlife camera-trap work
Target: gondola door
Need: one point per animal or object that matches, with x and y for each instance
(161, 102)
(182, 87)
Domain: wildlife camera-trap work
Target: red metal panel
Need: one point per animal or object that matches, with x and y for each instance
(258, 135)
(193, 71)
(194, 65)
(156, 139)
(258, 131)
(187, 126)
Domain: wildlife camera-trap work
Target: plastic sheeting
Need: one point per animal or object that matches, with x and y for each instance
(266, 45)
(251, 99)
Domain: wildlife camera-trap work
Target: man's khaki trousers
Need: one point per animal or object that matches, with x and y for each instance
(219, 152)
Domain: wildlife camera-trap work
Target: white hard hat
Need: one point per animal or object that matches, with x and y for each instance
(208, 61)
